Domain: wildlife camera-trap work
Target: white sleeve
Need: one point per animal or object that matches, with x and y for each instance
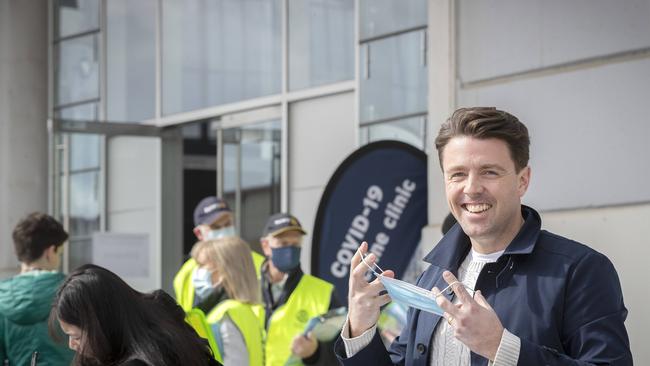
(356, 344)
(508, 351)
(234, 347)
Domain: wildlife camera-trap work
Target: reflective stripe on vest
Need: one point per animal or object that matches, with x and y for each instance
(184, 288)
(245, 319)
(309, 299)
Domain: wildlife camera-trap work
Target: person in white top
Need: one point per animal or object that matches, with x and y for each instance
(523, 296)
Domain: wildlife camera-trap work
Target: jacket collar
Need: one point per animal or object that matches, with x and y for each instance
(293, 279)
(455, 245)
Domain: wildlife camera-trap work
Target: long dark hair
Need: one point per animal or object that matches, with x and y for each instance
(119, 324)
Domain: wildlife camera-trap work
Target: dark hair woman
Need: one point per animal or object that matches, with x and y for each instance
(110, 323)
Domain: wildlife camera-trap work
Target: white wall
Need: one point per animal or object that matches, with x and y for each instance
(321, 134)
(577, 74)
(500, 37)
(589, 132)
(589, 116)
(134, 198)
(23, 112)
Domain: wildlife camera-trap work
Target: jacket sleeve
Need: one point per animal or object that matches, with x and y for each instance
(593, 330)
(373, 354)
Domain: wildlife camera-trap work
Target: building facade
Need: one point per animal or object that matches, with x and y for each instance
(118, 116)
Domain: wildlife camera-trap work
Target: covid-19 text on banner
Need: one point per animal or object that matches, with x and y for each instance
(379, 195)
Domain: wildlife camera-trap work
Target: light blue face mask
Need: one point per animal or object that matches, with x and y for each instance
(202, 281)
(408, 294)
(224, 232)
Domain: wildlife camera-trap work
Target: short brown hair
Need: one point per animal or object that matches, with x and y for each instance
(487, 123)
(34, 234)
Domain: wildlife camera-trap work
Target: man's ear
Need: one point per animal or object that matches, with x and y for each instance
(198, 233)
(266, 249)
(524, 181)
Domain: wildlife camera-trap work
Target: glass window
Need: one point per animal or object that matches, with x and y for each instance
(77, 70)
(131, 60)
(379, 17)
(393, 77)
(83, 112)
(84, 151)
(84, 203)
(252, 156)
(193, 131)
(217, 52)
(409, 130)
(230, 161)
(321, 42)
(84, 148)
(77, 16)
(81, 252)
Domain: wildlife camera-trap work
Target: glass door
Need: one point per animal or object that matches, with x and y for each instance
(250, 179)
(108, 184)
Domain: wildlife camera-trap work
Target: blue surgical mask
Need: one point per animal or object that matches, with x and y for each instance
(224, 232)
(286, 258)
(202, 281)
(408, 294)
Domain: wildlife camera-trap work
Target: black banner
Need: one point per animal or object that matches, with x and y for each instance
(378, 194)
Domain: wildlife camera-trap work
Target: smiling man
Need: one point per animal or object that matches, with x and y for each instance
(521, 295)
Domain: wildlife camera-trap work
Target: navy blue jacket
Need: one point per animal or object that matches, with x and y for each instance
(561, 298)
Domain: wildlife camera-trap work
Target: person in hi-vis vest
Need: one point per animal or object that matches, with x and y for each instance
(213, 219)
(292, 297)
(235, 321)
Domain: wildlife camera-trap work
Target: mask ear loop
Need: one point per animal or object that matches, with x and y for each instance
(363, 259)
(450, 287)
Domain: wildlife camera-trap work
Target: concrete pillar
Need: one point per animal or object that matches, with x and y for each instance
(441, 103)
(23, 112)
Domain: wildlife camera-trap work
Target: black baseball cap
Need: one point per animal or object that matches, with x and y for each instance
(209, 210)
(281, 223)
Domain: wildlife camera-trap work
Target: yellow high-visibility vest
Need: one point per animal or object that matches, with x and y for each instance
(184, 288)
(310, 298)
(196, 318)
(246, 320)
